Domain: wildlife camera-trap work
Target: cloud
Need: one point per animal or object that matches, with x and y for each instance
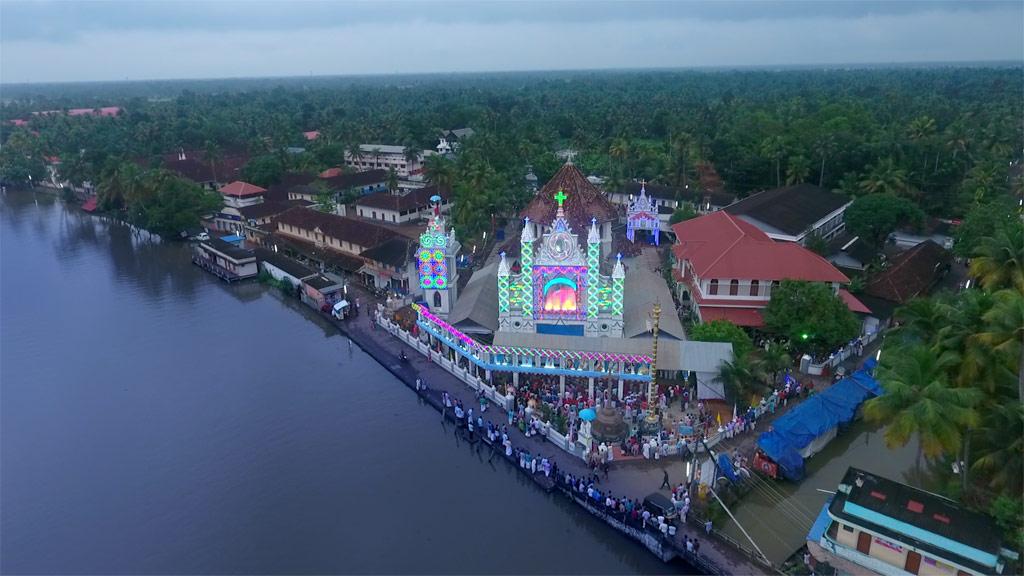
(235, 39)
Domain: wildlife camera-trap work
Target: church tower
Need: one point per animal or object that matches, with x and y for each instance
(436, 263)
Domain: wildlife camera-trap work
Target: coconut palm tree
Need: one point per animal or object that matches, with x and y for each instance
(775, 148)
(923, 319)
(1003, 332)
(885, 177)
(999, 259)
(919, 401)
(825, 147)
(737, 376)
(1000, 447)
(440, 170)
(798, 168)
(773, 360)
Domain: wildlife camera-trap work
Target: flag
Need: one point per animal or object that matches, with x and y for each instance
(718, 415)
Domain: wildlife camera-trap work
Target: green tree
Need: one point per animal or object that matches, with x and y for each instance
(919, 400)
(798, 168)
(773, 359)
(981, 220)
(885, 177)
(999, 259)
(21, 159)
(264, 170)
(738, 377)
(686, 211)
(723, 331)
(811, 316)
(874, 216)
(774, 147)
(439, 170)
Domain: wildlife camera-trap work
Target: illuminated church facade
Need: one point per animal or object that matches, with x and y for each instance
(559, 288)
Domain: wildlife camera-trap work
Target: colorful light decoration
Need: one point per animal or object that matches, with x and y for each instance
(480, 350)
(526, 286)
(593, 287)
(433, 271)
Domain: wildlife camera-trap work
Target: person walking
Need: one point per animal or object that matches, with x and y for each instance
(664, 479)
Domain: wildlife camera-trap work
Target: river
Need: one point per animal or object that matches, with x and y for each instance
(778, 515)
(156, 420)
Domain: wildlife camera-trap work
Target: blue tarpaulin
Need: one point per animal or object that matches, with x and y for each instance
(725, 465)
(813, 417)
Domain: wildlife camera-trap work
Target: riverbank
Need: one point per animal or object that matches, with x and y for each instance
(716, 556)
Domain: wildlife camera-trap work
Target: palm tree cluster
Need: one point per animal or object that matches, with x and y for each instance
(952, 374)
(155, 199)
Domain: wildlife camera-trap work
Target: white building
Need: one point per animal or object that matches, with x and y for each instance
(387, 157)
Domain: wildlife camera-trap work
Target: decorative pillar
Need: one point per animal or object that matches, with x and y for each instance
(561, 384)
(526, 264)
(593, 269)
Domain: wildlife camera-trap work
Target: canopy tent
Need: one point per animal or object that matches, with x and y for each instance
(805, 429)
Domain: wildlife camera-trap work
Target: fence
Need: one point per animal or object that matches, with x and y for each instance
(843, 354)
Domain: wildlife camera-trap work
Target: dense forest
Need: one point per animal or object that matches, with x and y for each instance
(942, 138)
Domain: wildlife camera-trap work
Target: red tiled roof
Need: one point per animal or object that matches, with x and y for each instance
(910, 274)
(241, 189)
(719, 245)
(312, 134)
(19, 122)
(739, 316)
(90, 204)
(583, 201)
(331, 173)
(852, 303)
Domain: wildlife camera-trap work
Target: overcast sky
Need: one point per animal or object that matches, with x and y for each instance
(72, 41)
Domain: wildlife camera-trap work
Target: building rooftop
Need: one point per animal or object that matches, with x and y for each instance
(241, 189)
(583, 201)
(382, 148)
(416, 199)
(322, 283)
(913, 516)
(346, 180)
(476, 310)
(393, 252)
(193, 166)
(910, 274)
(791, 210)
(360, 232)
(720, 245)
(644, 287)
(228, 249)
(284, 263)
(269, 208)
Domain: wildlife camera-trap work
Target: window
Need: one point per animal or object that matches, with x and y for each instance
(734, 287)
(374, 214)
(714, 287)
(393, 218)
(755, 287)
(437, 299)
(847, 528)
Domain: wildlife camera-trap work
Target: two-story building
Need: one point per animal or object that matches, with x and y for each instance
(670, 198)
(794, 213)
(348, 242)
(387, 157)
(401, 208)
(874, 525)
(237, 195)
(726, 268)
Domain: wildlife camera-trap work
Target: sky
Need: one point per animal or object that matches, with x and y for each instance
(67, 40)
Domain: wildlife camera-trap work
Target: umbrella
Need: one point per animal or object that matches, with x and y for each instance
(588, 414)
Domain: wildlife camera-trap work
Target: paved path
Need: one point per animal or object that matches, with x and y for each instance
(635, 480)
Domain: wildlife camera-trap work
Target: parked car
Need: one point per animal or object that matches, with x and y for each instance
(660, 505)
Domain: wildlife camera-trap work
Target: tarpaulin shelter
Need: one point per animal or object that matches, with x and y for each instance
(807, 428)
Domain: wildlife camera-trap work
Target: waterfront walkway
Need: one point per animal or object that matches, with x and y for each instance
(635, 481)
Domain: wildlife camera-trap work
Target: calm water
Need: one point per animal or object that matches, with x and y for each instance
(155, 420)
(778, 515)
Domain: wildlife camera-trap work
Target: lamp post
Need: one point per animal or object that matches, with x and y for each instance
(652, 387)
